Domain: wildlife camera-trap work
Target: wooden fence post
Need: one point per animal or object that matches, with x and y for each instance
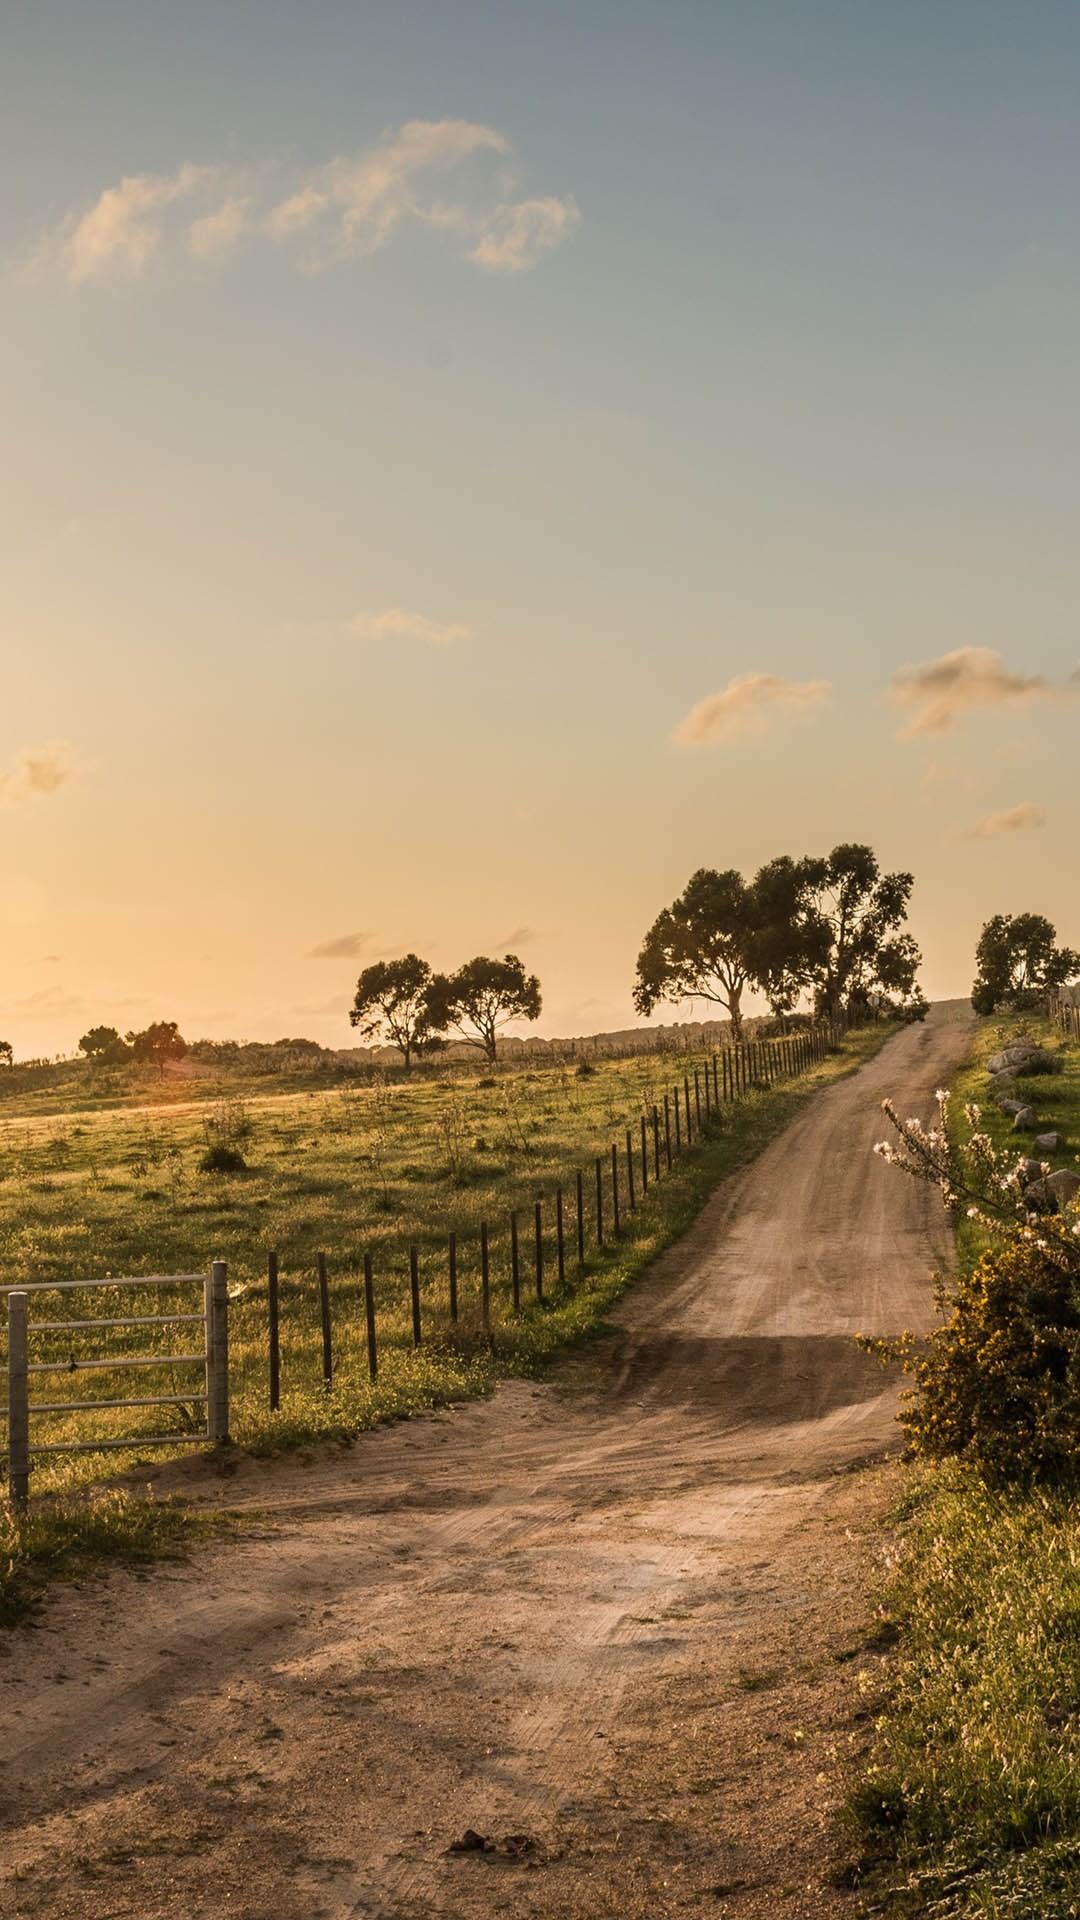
(273, 1331)
(414, 1294)
(667, 1132)
(630, 1191)
(615, 1225)
(697, 1098)
(579, 1184)
(560, 1242)
(18, 1401)
(324, 1316)
(539, 1250)
(599, 1202)
(656, 1140)
(369, 1316)
(451, 1257)
(515, 1265)
(644, 1158)
(686, 1095)
(678, 1119)
(217, 1345)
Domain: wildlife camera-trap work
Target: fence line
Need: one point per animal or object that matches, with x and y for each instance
(720, 1083)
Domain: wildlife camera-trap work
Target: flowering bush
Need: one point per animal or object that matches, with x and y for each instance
(999, 1382)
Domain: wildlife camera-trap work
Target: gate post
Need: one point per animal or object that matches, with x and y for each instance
(217, 1354)
(18, 1402)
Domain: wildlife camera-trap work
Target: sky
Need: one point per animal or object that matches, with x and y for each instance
(468, 465)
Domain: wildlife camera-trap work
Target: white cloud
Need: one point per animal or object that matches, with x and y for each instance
(345, 208)
(398, 623)
(940, 692)
(746, 706)
(123, 229)
(1024, 818)
(212, 234)
(518, 234)
(37, 770)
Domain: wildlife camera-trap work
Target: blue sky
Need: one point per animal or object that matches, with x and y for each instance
(775, 376)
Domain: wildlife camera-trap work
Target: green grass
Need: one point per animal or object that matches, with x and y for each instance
(1055, 1097)
(64, 1540)
(970, 1801)
(341, 1172)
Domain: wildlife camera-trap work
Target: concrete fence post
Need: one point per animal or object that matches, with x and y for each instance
(217, 1354)
(18, 1402)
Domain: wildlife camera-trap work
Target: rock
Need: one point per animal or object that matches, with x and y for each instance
(1012, 1106)
(1048, 1142)
(1064, 1185)
(470, 1842)
(1029, 1169)
(1038, 1198)
(1009, 1057)
(1005, 1077)
(1026, 1120)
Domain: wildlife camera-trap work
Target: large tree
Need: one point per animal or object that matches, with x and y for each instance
(482, 997)
(1018, 959)
(7, 1053)
(789, 936)
(701, 947)
(160, 1042)
(865, 950)
(393, 1000)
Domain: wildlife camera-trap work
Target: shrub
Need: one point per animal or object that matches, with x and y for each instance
(999, 1383)
(220, 1159)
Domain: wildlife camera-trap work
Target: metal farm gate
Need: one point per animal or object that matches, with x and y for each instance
(209, 1311)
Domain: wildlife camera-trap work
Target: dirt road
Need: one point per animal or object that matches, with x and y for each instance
(576, 1619)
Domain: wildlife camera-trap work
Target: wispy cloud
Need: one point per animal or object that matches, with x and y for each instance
(517, 937)
(518, 234)
(398, 623)
(214, 233)
(37, 770)
(746, 706)
(1024, 818)
(449, 176)
(942, 692)
(344, 946)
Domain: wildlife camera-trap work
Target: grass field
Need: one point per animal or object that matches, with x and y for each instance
(340, 1172)
(972, 1794)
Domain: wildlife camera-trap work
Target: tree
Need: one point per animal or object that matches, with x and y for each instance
(1018, 959)
(7, 1053)
(482, 997)
(160, 1042)
(788, 936)
(862, 911)
(104, 1046)
(392, 999)
(699, 948)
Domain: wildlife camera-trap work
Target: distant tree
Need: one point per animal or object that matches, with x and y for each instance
(701, 947)
(7, 1053)
(482, 997)
(392, 1000)
(1018, 959)
(160, 1042)
(104, 1046)
(862, 911)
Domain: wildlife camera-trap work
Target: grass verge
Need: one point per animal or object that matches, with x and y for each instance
(969, 1805)
(64, 1540)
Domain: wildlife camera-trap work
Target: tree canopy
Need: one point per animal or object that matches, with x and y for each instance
(1018, 959)
(482, 997)
(393, 1000)
(104, 1046)
(832, 926)
(7, 1053)
(160, 1042)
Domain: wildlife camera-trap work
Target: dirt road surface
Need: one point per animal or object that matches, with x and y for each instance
(601, 1622)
